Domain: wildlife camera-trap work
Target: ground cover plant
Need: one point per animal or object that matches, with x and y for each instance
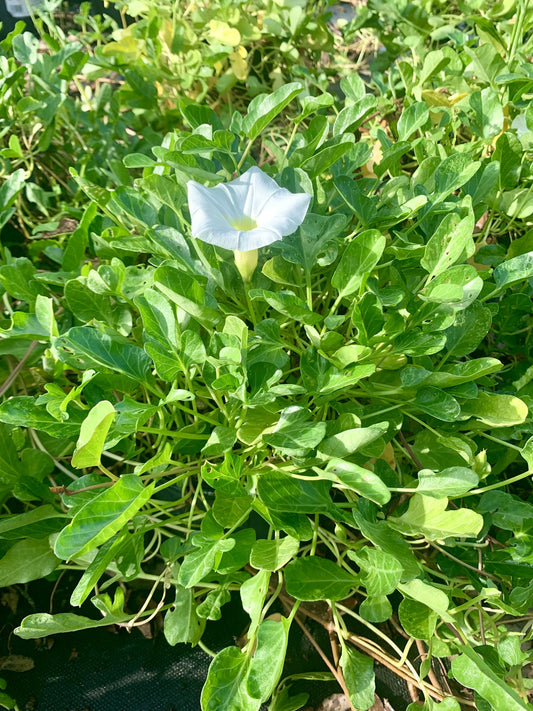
(266, 333)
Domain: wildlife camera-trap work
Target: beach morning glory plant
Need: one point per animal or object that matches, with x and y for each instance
(245, 214)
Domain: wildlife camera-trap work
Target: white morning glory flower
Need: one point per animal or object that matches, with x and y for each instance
(245, 214)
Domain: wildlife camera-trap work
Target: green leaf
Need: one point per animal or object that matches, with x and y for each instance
(314, 578)
(288, 304)
(294, 434)
(24, 412)
(495, 409)
(351, 117)
(471, 671)
(437, 403)
(315, 237)
(266, 107)
(349, 441)
(363, 481)
(93, 433)
(181, 623)
(253, 593)
(280, 492)
(412, 119)
(220, 440)
(42, 624)
(452, 238)
(470, 328)
(458, 285)
(375, 608)
(327, 155)
(201, 561)
(417, 619)
(380, 572)
(358, 260)
(188, 292)
(450, 482)
(358, 673)
(17, 278)
(273, 555)
(27, 560)
(509, 649)
(103, 516)
(428, 517)
(94, 571)
(84, 347)
(460, 373)
(453, 173)
(225, 686)
(427, 594)
(488, 113)
(390, 541)
(37, 523)
(514, 270)
(268, 659)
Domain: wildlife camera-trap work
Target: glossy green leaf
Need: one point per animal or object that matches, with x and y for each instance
(23, 411)
(27, 560)
(225, 686)
(280, 492)
(181, 623)
(450, 482)
(266, 107)
(188, 292)
(201, 561)
(253, 593)
(452, 239)
(351, 117)
(94, 571)
(471, 671)
(380, 571)
(314, 578)
(350, 441)
(358, 673)
(514, 270)
(295, 433)
(417, 619)
(269, 658)
(469, 329)
(84, 346)
(412, 119)
(357, 478)
(437, 403)
(103, 516)
(42, 624)
(453, 173)
(358, 260)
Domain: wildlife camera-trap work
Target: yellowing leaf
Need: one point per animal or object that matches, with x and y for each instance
(496, 410)
(428, 517)
(239, 65)
(222, 32)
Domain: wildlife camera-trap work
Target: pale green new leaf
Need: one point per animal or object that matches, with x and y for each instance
(93, 433)
(428, 517)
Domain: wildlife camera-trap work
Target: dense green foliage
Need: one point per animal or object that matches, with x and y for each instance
(353, 426)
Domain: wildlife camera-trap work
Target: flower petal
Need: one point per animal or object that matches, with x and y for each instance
(285, 212)
(258, 237)
(255, 195)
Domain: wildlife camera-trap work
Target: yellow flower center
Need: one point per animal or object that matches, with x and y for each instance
(244, 223)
